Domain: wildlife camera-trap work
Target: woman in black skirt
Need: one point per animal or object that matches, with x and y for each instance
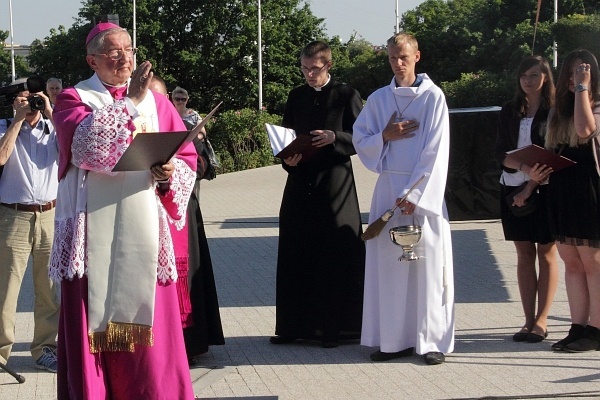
(522, 122)
(574, 201)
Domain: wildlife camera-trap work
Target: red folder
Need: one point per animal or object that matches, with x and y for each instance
(529, 155)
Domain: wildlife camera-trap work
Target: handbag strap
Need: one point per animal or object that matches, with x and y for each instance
(8, 122)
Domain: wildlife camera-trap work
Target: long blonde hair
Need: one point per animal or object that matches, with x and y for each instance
(562, 131)
(561, 127)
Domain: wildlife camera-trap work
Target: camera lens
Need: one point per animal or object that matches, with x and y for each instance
(36, 102)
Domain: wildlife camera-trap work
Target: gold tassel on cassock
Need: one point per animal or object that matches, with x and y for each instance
(120, 336)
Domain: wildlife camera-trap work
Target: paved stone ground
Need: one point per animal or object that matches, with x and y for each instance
(240, 212)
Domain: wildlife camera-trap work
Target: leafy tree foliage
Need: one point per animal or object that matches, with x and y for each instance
(453, 41)
(478, 90)
(462, 51)
(62, 54)
(578, 31)
(359, 64)
(209, 47)
(21, 69)
(471, 48)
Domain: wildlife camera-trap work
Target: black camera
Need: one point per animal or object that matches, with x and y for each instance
(32, 84)
(36, 102)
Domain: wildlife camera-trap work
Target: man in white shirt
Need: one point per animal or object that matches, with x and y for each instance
(28, 187)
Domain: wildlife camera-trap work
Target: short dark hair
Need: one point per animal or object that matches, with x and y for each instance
(317, 48)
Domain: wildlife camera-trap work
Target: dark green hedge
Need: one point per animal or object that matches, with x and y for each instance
(240, 140)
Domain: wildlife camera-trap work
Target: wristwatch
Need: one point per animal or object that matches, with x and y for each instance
(581, 88)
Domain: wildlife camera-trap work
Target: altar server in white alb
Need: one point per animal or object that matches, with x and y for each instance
(402, 134)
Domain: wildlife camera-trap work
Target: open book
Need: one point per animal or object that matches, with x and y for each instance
(285, 143)
(529, 155)
(150, 148)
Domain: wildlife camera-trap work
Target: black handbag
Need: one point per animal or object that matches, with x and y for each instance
(212, 162)
(530, 205)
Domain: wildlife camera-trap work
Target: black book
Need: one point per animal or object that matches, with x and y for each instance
(151, 148)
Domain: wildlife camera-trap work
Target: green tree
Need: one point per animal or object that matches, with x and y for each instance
(453, 42)
(369, 71)
(468, 55)
(208, 47)
(359, 64)
(481, 89)
(21, 69)
(62, 54)
(578, 31)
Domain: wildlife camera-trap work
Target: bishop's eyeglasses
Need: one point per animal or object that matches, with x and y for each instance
(116, 55)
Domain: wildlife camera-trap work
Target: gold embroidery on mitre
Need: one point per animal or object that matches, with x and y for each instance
(120, 336)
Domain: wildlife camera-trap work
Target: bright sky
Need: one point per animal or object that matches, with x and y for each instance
(33, 19)
(372, 20)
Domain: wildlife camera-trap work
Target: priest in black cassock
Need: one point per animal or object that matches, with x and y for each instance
(321, 257)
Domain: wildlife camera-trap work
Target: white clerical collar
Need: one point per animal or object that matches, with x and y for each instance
(319, 88)
(116, 86)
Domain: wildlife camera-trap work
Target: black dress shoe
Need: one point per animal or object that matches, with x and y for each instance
(575, 333)
(279, 339)
(535, 338)
(381, 356)
(590, 341)
(434, 358)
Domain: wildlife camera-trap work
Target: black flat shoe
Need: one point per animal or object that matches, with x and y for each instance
(279, 339)
(434, 358)
(535, 338)
(381, 356)
(575, 333)
(520, 336)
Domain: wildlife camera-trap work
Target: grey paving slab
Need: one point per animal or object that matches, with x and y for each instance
(240, 212)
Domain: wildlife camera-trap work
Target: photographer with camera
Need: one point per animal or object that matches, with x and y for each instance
(28, 188)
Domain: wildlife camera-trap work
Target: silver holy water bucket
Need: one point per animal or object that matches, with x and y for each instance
(406, 237)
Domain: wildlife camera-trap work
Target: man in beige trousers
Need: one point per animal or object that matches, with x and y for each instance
(28, 187)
